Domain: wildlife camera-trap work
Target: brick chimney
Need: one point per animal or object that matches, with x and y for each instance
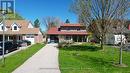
(129, 27)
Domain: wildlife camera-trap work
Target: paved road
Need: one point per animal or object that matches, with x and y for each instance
(44, 61)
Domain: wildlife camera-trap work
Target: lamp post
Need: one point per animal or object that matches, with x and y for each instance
(3, 43)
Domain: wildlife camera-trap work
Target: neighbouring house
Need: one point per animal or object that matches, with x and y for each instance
(68, 32)
(115, 39)
(20, 30)
(127, 33)
(115, 36)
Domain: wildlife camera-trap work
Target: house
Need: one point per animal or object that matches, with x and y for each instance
(68, 32)
(127, 33)
(115, 39)
(20, 30)
(118, 34)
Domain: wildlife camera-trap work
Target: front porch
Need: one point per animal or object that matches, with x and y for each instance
(11, 37)
(70, 38)
(73, 38)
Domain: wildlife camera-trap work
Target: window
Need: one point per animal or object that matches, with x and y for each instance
(30, 36)
(118, 39)
(59, 29)
(78, 29)
(68, 29)
(2, 27)
(15, 27)
(67, 37)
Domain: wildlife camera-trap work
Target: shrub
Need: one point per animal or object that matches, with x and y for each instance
(64, 43)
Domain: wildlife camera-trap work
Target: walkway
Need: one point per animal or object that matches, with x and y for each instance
(44, 61)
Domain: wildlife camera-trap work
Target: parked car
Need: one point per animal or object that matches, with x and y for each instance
(28, 42)
(21, 43)
(9, 47)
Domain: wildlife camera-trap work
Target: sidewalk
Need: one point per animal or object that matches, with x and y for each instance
(44, 61)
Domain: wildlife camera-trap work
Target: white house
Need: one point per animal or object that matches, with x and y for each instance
(115, 39)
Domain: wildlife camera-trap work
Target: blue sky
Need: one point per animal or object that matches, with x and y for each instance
(32, 9)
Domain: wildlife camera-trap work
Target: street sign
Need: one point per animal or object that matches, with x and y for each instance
(7, 6)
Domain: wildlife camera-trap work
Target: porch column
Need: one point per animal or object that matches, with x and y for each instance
(71, 38)
(82, 38)
(77, 38)
(86, 39)
(17, 37)
(8, 37)
(59, 38)
(48, 39)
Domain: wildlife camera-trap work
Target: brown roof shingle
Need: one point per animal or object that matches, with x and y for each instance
(23, 27)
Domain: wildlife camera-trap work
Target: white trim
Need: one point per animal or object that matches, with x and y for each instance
(13, 25)
(30, 25)
(1, 24)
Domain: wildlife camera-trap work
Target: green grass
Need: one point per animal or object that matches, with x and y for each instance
(15, 60)
(90, 59)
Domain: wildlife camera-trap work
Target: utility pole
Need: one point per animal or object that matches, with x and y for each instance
(3, 43)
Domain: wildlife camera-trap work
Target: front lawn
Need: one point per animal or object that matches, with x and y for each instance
(90, 59)
(15, 60)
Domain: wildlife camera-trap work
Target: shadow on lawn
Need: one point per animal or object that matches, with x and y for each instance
(81, 48)
(95, 60)
(98, 64)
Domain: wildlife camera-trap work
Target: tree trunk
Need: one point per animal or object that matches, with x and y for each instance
(120, 56)
(102, 43)
(46, 39)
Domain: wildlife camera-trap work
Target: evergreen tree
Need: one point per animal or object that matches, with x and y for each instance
(67, 21)
(37, 23)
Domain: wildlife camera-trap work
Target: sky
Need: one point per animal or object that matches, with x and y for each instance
(32, 9)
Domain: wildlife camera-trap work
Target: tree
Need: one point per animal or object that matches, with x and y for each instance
(67, 21)
(99, 14)
(51, 22)
(14, 16)
(37, 23)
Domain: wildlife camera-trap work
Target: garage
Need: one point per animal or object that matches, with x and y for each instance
(53, 39)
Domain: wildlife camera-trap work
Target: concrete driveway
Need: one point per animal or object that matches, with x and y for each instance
(44, 61)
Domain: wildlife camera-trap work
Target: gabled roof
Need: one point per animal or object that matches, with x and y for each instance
(23, 29)
(72, 25)
(22, 23)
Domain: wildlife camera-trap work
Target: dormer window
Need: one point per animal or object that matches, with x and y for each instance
(3, 28)
(15, 27)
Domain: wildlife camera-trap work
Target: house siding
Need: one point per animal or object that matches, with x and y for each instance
(38, 38)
